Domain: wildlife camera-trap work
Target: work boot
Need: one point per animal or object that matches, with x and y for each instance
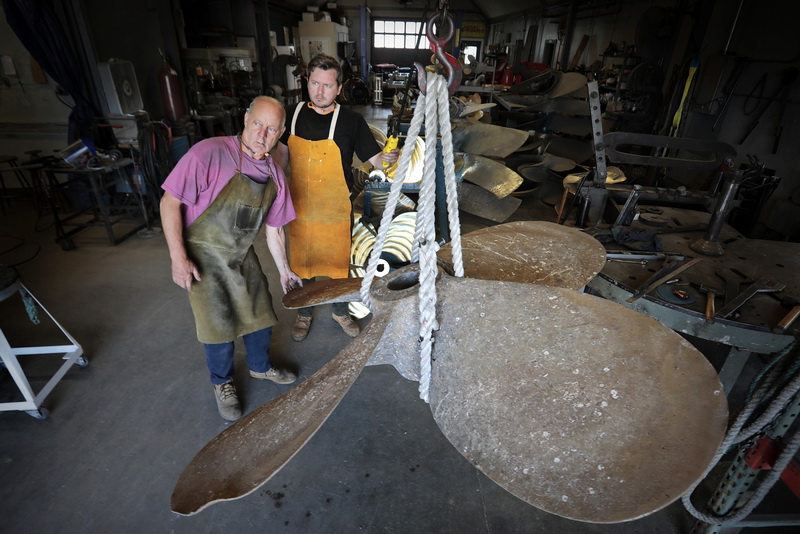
(279, 376)
(347, 323)
(227, 401)
(300, 327)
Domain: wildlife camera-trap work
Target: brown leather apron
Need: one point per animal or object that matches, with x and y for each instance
(319, 238)
(232, 299)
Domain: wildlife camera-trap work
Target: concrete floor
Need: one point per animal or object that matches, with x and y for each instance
(121, 430)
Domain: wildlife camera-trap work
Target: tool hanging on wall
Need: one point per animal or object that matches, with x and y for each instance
(730, 87)
(694, 64)
(789, 76)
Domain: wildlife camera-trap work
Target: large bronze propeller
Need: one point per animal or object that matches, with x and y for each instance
(577, 405)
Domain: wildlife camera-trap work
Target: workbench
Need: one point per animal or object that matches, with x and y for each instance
(99, 186)
(751, 328)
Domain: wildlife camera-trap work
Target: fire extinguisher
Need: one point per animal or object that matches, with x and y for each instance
(171, 95)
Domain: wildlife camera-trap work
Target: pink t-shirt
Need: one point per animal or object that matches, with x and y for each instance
(205, 170)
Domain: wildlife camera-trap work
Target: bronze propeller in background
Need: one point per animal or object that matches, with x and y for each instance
(575, 404)
(486, 139)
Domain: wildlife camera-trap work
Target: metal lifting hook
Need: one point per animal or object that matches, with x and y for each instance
(450, 64)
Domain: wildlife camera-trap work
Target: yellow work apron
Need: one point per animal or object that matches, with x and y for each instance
(319, 238)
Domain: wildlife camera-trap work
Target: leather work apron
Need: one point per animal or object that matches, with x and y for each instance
(232, 298)
(319, 238)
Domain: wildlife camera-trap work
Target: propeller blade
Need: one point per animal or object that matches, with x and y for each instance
(531, 252)
(567, 124)
(246, 454)
(521, 117)
(564, 105)
(324, 292)
(539, 84)
(520, 102)
(486, 139)
(478, 201)
(487, 173)
(539, 174)
(549, 161)
(572, 149)
(575, 404)
(568, 83)
(536, 103)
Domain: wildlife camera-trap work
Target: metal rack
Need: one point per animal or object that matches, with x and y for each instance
(96, 182)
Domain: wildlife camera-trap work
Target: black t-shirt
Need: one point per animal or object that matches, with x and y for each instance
(352, 134)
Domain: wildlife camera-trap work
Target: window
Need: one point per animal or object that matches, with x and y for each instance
(471, 50)
(398, 34)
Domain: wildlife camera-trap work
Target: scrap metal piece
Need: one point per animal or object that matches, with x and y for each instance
(762, 285)
(487, 173)
(733, 280)
(670, 268)
(531, 252)
(584, 409)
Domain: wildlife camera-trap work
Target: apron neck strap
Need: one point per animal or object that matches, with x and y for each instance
(294, 117)
(241, 151)
(333, 121)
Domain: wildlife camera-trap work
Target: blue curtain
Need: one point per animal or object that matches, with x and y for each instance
(37, 26)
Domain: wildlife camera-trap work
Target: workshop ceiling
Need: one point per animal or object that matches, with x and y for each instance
(490, 10)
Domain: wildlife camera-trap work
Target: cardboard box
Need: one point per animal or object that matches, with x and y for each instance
(308, 16)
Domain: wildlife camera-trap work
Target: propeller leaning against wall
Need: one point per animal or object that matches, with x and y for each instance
(575, 404)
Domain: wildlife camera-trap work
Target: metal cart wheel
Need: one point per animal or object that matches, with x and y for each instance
(67, 244)
(40, 414)
(81, 362)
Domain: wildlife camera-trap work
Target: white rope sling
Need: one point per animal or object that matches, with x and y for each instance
(433, 110)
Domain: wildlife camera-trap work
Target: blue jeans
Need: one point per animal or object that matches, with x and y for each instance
(219, 356)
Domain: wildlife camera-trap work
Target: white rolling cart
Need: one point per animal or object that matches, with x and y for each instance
(72, 353)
